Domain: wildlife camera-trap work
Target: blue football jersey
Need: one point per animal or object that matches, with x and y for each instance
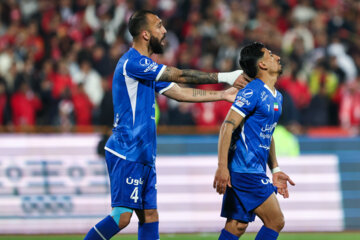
(261, 109)
(134, 85)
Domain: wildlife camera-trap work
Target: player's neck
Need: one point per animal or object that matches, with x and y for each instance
(142, 48)
(268, 79)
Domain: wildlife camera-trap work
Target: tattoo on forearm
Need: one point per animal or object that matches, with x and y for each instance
(172, 74)
(230, 122)
(198, 92)
(197, 77)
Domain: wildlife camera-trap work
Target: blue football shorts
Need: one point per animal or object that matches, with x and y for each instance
(132, 184)
(248, 191)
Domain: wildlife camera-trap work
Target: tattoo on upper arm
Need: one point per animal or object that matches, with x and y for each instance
(199, 92)
(166, 76)
(230, 122)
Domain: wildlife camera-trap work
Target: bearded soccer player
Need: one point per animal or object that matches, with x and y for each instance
(246, 146)
(131, 149)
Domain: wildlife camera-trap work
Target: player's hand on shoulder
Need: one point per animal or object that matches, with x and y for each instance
(230, 94)
(280, 180)
(242, 81)
(222, 180)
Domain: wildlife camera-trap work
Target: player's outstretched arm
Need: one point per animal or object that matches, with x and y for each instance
(199, 95)
(222, 175)
(280, 179)
(172, 74)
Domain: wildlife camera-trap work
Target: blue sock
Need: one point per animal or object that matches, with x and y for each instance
(266, 234)
(106, 228)
(225, 235)
(149, 231)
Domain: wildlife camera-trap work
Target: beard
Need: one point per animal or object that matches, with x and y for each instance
(155, 45)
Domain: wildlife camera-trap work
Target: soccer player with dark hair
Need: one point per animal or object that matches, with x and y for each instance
(246, 146)
(131, 149)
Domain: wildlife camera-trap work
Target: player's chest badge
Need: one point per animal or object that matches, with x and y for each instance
(276, 106)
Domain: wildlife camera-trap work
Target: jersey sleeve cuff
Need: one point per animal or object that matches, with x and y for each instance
(160, 73)
(167, 88)
(238, 111)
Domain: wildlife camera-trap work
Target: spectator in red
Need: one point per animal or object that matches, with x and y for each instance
(82, 106)
(61, 80)
(24, 105)
(349, 113)
(34, 42)
(295, 85)
(47, 72)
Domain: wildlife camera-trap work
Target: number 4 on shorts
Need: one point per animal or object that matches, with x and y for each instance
(134, 195)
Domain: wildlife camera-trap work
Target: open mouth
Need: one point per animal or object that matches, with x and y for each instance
(163, 41)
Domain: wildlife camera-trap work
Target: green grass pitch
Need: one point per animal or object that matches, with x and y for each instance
(200, 236)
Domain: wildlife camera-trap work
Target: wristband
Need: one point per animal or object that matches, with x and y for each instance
(275, 170)
(229, 77)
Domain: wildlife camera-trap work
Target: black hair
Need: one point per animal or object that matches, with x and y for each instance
(137, 21)
(249, 56)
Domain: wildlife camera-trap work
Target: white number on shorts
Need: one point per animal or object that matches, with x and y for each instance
(134, 195)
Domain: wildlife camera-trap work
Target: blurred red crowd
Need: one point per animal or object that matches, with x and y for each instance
(57, 57)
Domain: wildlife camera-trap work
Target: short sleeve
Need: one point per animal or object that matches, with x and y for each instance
(161, 87)
(144, 68)
(245, 101)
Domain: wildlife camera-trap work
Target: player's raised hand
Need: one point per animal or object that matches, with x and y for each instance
(230, 94)
(242, 81)
(221, 180)
(280, 180)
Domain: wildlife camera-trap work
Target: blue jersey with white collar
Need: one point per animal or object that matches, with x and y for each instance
(133, 89)
(261, 109)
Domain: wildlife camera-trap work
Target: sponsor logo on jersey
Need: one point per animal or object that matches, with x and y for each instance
(144, 62)
(152, 67)
(265, 136)
(269, 128)
(247, 93)
(265, 181)
(240, 101)
(265, 147)
(264, 96)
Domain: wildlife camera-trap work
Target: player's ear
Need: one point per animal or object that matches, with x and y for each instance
(146, 35)
(262, 65)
